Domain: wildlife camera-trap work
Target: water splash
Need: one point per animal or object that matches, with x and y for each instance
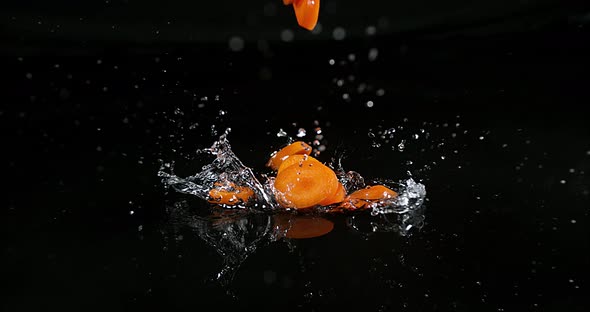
(227, 167)
(235, 234)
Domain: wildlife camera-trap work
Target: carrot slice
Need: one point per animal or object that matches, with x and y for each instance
(295, 160)
(373, 192)
(305, 185)
(294, 148)
(300, 227)
(363, 197)
(307, 12)
(336, 197)
(230, 194)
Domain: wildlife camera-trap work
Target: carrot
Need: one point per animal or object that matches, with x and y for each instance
(287, 2)
(230, 194)
(363, 197)
(307, 12)
(305, 185)
(299, 227)
(373, 192)
(337, 197)
(295, 148)
(295, 160)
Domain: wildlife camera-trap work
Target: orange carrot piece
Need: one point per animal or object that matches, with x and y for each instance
(336, 197)
(300, 227)
(363, 197)
(373, 192)
(230, 194)
(295, 160)
(305, 185)
(307, 12)
(295, 148)
(287, 2)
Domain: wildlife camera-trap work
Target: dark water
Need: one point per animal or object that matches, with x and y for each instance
(502, 147)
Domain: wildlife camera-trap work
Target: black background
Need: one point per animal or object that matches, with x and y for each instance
(97, 94)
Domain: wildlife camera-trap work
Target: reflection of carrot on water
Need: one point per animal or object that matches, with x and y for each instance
(299, 227)
(303, 182)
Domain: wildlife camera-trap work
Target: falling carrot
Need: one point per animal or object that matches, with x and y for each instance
(306, 185)
(306, 12)
(295, 148)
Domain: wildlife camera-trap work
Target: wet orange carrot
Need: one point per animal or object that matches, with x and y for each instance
(337, 197)
(361, 198)
(306, 12)
(230, 194)
(295, 148)
(300, 227)
(373, 192)
(295, 160)
(305, 185)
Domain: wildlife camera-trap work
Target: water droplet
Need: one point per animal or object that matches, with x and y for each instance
(369, 104)
(573, 221)
(373, 54)
(331, 62)
(351, 57)
(29, 76)
(371, 30)
(131, 212)
(401, 146)
(287, 35)
(371, 134)
(380, 92)
(481, 138)
(236, 43)
(281, 133)
(562, 181)
(301, 133)
(339, 33)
